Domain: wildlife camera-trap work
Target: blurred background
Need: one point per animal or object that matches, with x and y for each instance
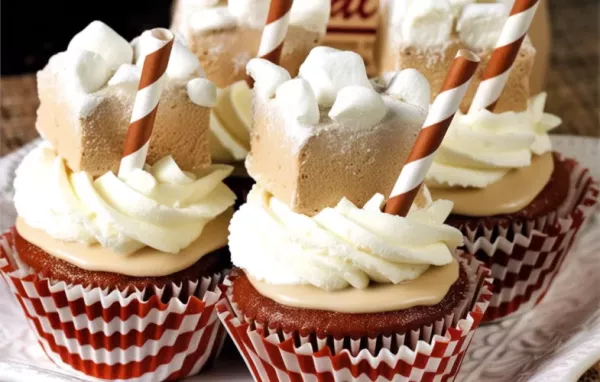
(31, 32)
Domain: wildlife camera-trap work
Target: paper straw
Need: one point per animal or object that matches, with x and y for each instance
(146, 102)
(504, 55)
(431, 135)
(274, 32)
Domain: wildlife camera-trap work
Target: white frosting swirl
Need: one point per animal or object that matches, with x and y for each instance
(481, 147)
(340, 246)
(161, 207)
(230, 122)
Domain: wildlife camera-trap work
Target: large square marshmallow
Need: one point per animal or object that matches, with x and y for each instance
(226, 37)
(416, 34)
(310, 156)
(91, 136)
(87, 94)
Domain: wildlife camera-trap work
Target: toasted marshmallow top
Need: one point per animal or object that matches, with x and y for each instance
(99, 58)
(431, 24)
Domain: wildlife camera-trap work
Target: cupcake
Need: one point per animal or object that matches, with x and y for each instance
(518, 204)
(118, 275)
(225, 36)
(337, 289)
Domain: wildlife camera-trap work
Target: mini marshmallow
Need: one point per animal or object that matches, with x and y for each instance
(144, 45)
(202, 92)
(313, 15)
(480, 25)
(412, 87)
(88, 70)
(428, 23)
(328, 70)
(458, 5)
(359, 106)
(267, 76)
(398, 10)
(183, 63)
(252, 13)
(297, 98)
(99, 38)
(127, 73)
(209, 19)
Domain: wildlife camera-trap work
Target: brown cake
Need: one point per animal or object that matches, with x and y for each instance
(54, 268)
(288, 319)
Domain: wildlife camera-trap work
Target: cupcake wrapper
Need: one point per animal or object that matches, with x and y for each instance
(119, 335)
(434, 352)
(524, 259)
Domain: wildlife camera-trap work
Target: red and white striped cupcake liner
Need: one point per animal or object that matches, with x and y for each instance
(166, 333)
(432, 353)
(524, 259)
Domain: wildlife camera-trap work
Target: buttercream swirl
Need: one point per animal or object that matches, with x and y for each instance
(340, 246)
(230, 122)
(161, 206)
(481, 147)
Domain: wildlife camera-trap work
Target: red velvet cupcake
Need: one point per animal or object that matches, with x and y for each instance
(102, 302)
(518, 204)
(336, 296)
(118, 275)
(327, 285)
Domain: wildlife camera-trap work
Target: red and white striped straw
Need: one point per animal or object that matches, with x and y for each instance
(431, 135)
(137, 140)
(274, 32)
(504, 55)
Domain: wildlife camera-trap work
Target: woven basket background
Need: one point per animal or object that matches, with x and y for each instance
(18, 105)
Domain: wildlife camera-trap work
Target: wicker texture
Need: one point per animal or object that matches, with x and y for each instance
(572, 83)
(18, 105)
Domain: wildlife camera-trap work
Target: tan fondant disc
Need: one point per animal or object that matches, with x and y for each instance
(147, 262)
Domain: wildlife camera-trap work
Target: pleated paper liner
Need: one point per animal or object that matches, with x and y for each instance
(524, 259)
(434, 352)
(150, 335)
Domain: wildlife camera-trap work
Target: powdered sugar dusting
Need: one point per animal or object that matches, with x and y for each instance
(399, 114)
(240, 61)
(216, 50)
(296, 133)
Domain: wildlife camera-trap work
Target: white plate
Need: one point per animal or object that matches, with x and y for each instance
(556, 341)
